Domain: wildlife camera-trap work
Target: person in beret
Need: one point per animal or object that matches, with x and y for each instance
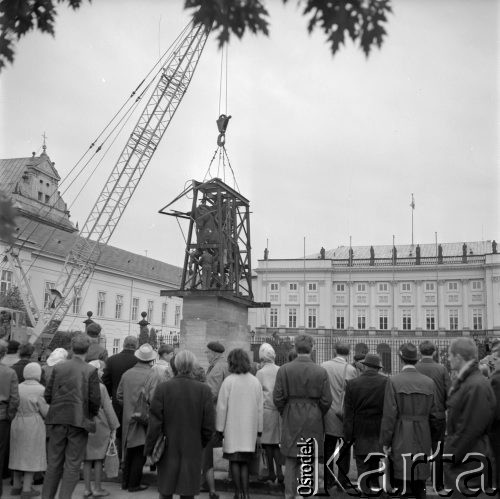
(409, 413)
(363, 408)
(96, 350)
(216, 373)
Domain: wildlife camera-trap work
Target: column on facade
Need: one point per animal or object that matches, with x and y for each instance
(372, 321)
(419, 320)
(465, 304)
(350, 324)
(394, 305)
(440, 305)
(492, 285)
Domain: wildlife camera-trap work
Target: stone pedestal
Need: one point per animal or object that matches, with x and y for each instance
(213, 318)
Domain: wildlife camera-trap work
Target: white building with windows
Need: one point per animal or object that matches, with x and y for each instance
(447, 291)
(123, 285)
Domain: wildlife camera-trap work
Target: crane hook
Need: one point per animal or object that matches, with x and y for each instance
(222, 123)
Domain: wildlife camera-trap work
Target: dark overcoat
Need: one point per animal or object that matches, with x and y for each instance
(471, 409)
(363, 408)
(302, 396)
(495, 427)
(182, 408)
(409, 412)
(116, 365)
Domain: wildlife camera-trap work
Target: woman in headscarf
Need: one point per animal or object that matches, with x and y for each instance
(181, 409)
(27, 433)
(57, 356)
(97, 444)
(271, 430)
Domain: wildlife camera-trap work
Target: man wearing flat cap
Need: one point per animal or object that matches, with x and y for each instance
(96, 350)
(409, 413)
(216, 372)
(363, 408)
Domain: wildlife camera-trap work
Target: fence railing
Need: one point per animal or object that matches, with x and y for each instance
(386, 347)
(408, 261)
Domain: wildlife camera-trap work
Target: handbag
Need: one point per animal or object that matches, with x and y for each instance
(340, 411)
(141, 409)
(158, 449)
(111, 460)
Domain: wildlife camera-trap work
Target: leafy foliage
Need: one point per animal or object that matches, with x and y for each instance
(12, 299)
(361, 20)
(19, 17)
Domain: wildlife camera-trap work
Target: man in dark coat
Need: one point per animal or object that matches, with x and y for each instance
(495, 427)
(363, 408)
(216, 373)
(183, 410)
(116, 365)
(9, 402)
(74, 397)
(442, 382)
(302, 396)
(409, 412)
(471, 411)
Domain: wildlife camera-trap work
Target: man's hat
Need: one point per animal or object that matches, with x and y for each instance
(216, 347)
(372, 360)
(408, 352)
(145, 353)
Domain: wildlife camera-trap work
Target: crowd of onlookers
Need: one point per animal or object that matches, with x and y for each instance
(164, 410)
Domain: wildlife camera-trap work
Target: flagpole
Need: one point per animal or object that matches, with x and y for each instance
(412, 210)
(304, 297)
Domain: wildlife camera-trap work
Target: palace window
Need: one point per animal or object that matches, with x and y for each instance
(383, 322)
(340, 318)
(292, 317)
(293, 286)
(118, 306)
(312, 286)
(453, 286)
(274, 297)
(116, 345)
(77, 301)
(406, 319)
(340, 288)
(274, 286)
(177, 317)
(453, 318)
(47, 296)
(150, 310)
(383, 287)
(311, 317)
(477, 318)
(406, 286)
(164, 310)
(135, 309)
(101, 303)
(361, 316)
(477, 285)
(429, 286)
(5, 282)
(430, 319)
(273, 317)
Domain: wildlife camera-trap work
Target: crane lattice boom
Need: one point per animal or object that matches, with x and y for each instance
(170, 88)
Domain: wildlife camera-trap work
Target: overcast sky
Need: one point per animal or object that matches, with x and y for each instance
(324, 147)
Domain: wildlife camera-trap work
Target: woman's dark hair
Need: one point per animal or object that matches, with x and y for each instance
(238, 361)
(172, 365)
(26, 350)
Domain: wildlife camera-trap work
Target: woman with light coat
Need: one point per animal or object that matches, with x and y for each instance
(240, 418)
(271, 421)
(27, 433)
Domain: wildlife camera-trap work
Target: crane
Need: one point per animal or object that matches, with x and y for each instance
(172, 83)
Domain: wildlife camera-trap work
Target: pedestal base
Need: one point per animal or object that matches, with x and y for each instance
(213, 318)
